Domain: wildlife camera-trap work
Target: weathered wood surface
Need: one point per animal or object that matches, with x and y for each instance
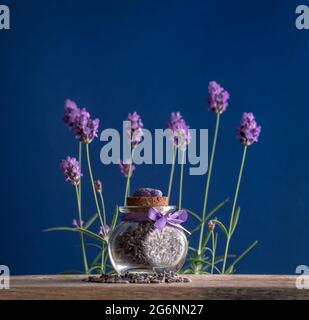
(202, 287)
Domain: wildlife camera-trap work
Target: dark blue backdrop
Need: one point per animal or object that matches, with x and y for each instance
(153, 57)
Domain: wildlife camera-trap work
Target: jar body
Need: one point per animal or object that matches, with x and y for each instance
(140, 247)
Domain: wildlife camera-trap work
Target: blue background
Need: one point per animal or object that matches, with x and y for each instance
(154, 57)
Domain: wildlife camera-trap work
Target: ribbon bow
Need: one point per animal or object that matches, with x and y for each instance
(173, 218)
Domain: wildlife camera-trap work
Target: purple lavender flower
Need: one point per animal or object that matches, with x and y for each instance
(217, 98)
(248, 131)
(104, 231)
(76, 224)
(80, 122)
(126, 169)
(71, 111)
(180, 134)
(85, 128)
(134, 129)
(71, 170)
(98, 185)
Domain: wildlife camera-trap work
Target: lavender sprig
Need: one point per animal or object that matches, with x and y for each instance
(217, 102)
(248, 132)
(72, 173)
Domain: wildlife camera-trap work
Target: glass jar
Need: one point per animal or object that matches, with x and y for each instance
(137, 246)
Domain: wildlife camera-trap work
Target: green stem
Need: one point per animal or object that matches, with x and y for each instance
(93, 187)
(181, 179)
(199, 251)
(128, 179)
(233, 208)
(214, 246)
(80, 165)
(103, 258)
(171, 174)
(103, 208)
(81, 235)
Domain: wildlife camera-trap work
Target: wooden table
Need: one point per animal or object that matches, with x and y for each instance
(201, 287)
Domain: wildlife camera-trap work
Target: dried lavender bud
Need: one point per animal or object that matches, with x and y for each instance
(141, 246)
(163, 277)
(147, 192)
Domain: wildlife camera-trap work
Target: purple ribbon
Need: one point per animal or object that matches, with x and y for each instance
(174, 219)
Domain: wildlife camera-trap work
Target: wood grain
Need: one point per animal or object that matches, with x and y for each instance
(202, 287)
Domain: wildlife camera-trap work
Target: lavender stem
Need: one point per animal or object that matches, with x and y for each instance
(172, 173)
(128, 179)
(233, 208)
(199, 251)
(181, 179)
(93, 187)
(81, 235)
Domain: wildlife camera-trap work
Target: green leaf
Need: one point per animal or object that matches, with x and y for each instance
(206, 239)
(82, 230)
(90, 221)
(221, 226)
(186, 271)
(195, 215)
(90, 234)
(114, 218)
(94, 268)
(94, 245)
(96, 259)
(209, 215)
(235, 220)
(231, 267)
(221, 258)
(59, 229)
(215, 209)
(204, 262)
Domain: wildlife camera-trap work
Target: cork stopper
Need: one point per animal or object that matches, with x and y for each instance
(147, 197)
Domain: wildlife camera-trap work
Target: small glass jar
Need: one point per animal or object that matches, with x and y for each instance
(137, 246)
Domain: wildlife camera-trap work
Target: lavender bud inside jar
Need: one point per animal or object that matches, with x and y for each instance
(150, 237)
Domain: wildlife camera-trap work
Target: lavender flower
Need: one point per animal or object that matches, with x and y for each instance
(180, 134)
(98, 185)
(217, 98)
(71, 111)
(85, 128)
(80, 122)
(134, 129)
(126, 169)
(76, 224)
(104, 231)
(71, 170)
(248, 131)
